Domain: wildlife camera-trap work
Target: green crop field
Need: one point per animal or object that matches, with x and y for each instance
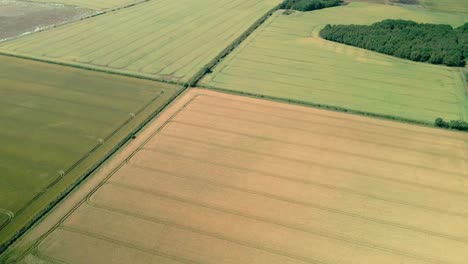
(285, 58)
(447, 5)
(164, 39)
(93, 4)
(57, 123)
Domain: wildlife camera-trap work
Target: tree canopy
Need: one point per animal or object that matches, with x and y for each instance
(433, 43)
(308, 5)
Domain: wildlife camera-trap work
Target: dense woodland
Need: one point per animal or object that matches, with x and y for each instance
(308, 5)
(433, 43)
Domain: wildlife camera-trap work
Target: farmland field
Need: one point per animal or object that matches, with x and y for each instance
(285, 58)
(220, 178)
(17, 18)
(57, 123)
(174, 40)
(93, 4)
(447, 5)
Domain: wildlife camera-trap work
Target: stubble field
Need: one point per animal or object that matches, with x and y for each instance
(57, 123)
(285, 58)
(220, 178)
(164, 39)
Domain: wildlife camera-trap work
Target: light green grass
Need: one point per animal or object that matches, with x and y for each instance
(447, 5)
(166, 39)
(56, 123)
(286, 59)
(93, 4)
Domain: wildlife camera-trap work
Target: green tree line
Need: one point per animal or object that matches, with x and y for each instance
(454, 124)
(433, 43)
(308, 5)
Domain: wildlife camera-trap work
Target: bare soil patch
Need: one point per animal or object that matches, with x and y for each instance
(18, 18)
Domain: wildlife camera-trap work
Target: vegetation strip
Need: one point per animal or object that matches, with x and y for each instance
(133, 192)
(172, 52)
(436, 44)
(41, 162)
(285, 58)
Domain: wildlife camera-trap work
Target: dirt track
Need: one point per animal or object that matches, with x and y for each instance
(227, 179)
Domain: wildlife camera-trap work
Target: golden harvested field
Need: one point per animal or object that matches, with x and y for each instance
(219, 178)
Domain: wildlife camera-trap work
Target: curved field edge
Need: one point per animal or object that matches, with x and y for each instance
(84, 168)
(20, 243)
(4, 219)
(267, 31)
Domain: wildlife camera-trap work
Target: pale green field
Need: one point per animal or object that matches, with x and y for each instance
(447, 5)
(165, 39)
(93, 4)
(56, 123)
(286, 59)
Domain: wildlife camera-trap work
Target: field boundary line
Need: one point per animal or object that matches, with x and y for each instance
(286, 178)
(244, 215)
(94, 166)
(239, 40)
(309, 182)
(316, 133)
(456, 139)
(329, 108)
(281, 105)
(121, 243)
(91, 151)
(94, 13)
(304, 204)
(324, 149)
(333, 168)
(201, 232)
(89, 67)
(349, 94)
(338, 82)
(333, 125)
(10, 216)
(81, 181)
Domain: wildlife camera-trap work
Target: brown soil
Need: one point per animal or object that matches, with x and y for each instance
(219, 178)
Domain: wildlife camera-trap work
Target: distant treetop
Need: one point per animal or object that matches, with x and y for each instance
(308, 5)
(433, 43)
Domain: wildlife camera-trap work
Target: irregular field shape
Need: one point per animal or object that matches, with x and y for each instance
(220, 178)
(286, 59)
(57, 123)
(174, 40)
(93, 4)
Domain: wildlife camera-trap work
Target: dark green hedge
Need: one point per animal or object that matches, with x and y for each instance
(433, 43)
(308, 5)
(454, 124)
